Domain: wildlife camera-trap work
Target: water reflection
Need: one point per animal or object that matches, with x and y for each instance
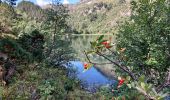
(91, 79)
(82, 42)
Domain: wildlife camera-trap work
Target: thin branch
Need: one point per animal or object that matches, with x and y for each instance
(145, 94)
(112, 52)
(124, 68)
(94, 62)
(87, 56)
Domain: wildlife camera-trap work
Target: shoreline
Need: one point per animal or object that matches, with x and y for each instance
(107, 71)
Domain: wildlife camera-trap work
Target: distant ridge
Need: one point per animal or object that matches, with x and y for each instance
(98, 16)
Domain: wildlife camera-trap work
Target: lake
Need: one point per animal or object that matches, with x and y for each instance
(94, 77)
(91, 79)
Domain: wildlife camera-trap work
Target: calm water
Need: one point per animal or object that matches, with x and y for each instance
(92, 78)
(82, 42)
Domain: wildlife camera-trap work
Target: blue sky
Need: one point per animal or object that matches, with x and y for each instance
(43, 2)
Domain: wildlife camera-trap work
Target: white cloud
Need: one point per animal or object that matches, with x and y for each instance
(42, 2)
(65, 2)
(45, 2)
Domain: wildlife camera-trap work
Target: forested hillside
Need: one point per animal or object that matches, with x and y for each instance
(33, 51)
(98, 16)
(38, 60)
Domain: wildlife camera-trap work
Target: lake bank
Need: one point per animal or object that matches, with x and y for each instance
(107, 70)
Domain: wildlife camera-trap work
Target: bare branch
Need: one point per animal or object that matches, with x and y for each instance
(94, 62)
(124, 68)
(145, 94)
(112, 52)
(87, 56)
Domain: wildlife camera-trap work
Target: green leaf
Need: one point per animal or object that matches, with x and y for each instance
(128, 78)
(143, 85)
(129, 85)
(142, 78)
(100, 38)
(93, 44)
(90, 52)
(133, 84)
(148, 87)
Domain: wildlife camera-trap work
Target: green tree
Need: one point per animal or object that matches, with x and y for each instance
(146, 38)
(142, 48)
(33, 43)
(58, 48)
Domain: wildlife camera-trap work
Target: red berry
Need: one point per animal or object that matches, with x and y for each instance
(121, 82)
(105, 42)
(85, 66)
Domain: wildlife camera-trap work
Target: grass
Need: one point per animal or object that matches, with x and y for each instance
(42, 82)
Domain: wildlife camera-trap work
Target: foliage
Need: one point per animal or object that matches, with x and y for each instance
(25, 43)
(99, 16)
(58, 49)
(41, 82)
(36, 42)
(7, 13)
(14, 50)
(33, 43)
(146, 39)
(33, 11)
(142, 49)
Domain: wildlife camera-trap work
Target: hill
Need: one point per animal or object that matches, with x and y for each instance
(98, 16)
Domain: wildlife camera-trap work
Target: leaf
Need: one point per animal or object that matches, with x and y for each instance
(100, 38)
(128, 78)
(93, 44)
(90, 52)
(142, 78)
(143, 85)
(133, 84)
(148, 87)
(129, 85)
